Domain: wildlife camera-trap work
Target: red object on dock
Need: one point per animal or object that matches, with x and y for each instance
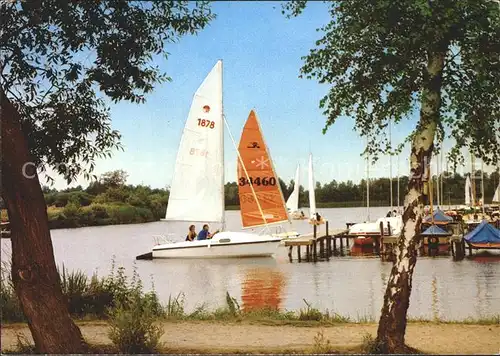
(363, 241)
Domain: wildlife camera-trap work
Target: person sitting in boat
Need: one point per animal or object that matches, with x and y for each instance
(302, 214)
(318, 217)
(191, 234)
(204, 234)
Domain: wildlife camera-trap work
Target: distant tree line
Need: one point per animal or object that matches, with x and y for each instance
(337, 194)
(109, 200)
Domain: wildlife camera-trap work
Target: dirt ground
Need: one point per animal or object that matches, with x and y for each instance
(206, 337)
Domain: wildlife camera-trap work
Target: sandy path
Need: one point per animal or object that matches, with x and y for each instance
(220, 337)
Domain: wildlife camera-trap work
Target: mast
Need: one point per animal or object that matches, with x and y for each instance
(398, 186)
(437, 181)
(390, 166)
(367, 182)
(482, 185)
(441, 177)
(449, 197)
(222, 145)
(472, 181)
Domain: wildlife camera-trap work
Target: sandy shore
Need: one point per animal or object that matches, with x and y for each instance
(206, 337)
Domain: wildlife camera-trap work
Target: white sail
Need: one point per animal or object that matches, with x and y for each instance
(496, 196)
(293, 200)
(197, 191)
(312, 196)
(467, 191)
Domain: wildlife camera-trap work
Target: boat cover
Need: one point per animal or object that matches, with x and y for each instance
(434, 230)
(439, 217)
(484, 233)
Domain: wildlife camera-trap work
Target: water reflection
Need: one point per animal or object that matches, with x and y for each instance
(435, 310)
(262, 288)
(349, 286)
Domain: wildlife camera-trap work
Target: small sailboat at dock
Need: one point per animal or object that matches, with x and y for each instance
(314, 217)
(292, 203)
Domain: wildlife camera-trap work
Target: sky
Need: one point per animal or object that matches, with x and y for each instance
(261, 50)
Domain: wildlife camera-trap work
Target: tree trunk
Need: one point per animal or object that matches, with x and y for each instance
(392, 324)
(34, 272)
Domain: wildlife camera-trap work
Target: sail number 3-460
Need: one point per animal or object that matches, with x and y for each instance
(206, 123)
(258, 181)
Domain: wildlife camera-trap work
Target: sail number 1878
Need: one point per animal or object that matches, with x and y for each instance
(206, 123)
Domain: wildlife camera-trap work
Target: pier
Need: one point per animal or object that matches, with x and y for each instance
(330, 243)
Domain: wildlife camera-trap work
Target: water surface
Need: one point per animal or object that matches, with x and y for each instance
(349, 286)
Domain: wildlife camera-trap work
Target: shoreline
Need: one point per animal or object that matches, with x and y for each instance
(248, 337)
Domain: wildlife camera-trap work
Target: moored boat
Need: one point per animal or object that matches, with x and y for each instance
(197, 191)
(292, 203)
(314, 217)
(485, 239)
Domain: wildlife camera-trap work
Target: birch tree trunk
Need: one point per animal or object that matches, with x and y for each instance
(34, 272)
(392, 324)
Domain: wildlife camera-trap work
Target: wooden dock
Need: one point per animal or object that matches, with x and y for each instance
(326, 242)
(453, 243)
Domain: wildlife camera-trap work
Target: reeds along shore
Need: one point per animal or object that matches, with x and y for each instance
(96, 297)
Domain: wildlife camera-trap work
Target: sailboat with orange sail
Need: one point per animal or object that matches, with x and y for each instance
(261, 200)
(197, 193)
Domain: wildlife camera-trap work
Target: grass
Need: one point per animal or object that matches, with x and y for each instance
(92, 298)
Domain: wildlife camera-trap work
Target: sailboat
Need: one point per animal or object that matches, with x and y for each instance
(312, 196)
(496, 196)
(197, 191)
(261, 199)
(468, 192)
(292, 203)
(364, 230)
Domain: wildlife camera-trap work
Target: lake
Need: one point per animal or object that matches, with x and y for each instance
(349, 286)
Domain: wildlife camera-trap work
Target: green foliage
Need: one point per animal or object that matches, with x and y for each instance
(310, 313)
(57, 54)
(374, 57)
(10, 307)
(71, 210)
(87, 297)
(132, 320)
(114, 178)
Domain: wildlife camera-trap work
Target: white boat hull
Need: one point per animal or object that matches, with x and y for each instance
(486, 252)
(373, 228)
(222, 245)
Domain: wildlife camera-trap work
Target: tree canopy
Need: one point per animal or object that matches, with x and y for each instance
(386, 60)
(374, 56)
(56, 56)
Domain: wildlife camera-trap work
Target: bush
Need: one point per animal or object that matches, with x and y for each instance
(99, 211)
(132, 321)
(71, 210)
(86, 216)
(144, 214)
(122, 214)
(10, 306)
(310, 313)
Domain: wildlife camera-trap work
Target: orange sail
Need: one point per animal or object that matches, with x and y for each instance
(269, 207)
